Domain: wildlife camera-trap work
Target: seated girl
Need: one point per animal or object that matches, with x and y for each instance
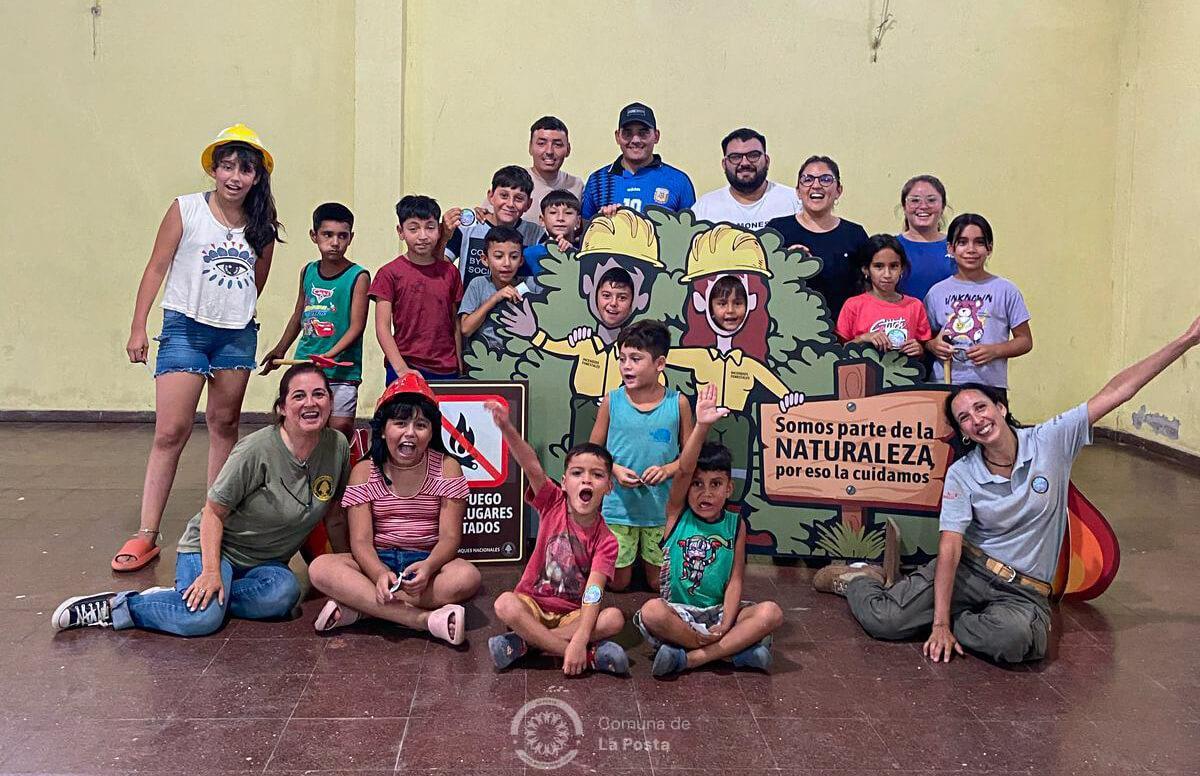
(406, 504)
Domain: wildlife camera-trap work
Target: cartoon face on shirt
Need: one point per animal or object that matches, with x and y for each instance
(562, 575)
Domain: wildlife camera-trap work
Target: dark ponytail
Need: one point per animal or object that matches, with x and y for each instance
(262, 219)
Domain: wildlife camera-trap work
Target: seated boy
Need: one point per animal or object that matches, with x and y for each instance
(416, 299)
(701, 616)
(560, 216)
(502, 254)
(509, 198)
(330, 313)
(556, 605)
(641, 423)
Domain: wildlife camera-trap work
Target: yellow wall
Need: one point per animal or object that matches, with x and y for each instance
(1023, 114)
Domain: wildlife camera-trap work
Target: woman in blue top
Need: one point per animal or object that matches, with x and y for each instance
(923, 199)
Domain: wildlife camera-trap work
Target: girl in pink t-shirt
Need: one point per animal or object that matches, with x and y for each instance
(883, 316)
(405, 503)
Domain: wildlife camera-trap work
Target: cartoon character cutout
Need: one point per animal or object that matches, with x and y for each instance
(964, 328)
(727, 270)
(562, 575)
(698, 553)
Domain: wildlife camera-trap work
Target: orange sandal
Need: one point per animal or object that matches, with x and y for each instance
(138, 551)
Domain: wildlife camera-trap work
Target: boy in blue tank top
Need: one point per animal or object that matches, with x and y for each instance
(641, 424)
(331, 313)
(701, 616)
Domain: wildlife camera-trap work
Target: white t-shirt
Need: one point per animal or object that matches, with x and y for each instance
(211, 279)
(719, 206)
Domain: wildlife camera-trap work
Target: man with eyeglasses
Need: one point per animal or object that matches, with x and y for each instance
(639, 177)
(750, 200)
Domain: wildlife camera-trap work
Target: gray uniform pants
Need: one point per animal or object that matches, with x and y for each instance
(1004, 621)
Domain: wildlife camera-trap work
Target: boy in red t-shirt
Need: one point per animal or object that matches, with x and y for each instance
(556, 605)
(416, 298)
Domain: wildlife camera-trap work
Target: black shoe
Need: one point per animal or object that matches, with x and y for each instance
(84, 611)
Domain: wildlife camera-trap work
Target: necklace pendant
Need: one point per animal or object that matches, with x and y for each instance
(228, 235)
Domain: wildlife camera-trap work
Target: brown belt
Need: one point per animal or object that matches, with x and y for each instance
(1005, 572)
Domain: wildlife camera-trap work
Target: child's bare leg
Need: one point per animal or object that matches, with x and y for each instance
(665, 624)
(340, 578)
(457, 581)
(222, 413)
(343, 425)
(513, 612)
(608, 624)
(622, 576)
(176, 396)
(752, 626)
(652, 575)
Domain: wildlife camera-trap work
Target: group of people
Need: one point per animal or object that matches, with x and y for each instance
(648, 486)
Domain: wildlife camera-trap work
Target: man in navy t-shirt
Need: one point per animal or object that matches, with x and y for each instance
(638, 177)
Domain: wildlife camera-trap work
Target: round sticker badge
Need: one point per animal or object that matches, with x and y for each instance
(467, 217)
(1040, 484)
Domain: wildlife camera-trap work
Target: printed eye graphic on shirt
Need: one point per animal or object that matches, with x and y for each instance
(228, 265)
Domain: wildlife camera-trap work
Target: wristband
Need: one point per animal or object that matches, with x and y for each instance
(591, 596)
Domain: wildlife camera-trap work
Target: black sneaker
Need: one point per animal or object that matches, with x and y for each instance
(84, 611)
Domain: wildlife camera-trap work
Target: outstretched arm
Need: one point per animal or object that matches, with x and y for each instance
(1130, 380)
(707, 413)
(526, 457)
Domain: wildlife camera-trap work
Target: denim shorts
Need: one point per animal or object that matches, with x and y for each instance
(398, 560)
(186, 345)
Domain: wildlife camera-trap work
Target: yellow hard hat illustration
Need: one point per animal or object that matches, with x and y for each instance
(725, 248)
(624, 233)
(238, 133)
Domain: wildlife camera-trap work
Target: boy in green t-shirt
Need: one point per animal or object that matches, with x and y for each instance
(701, 616)
(331, 313)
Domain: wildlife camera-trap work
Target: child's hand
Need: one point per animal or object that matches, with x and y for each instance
(940, 349)
(383, 587)
(789, 400)
(982, 354)
(575, 658)
(415, 579)
(799, 247)
(450, 221)
(268, 361)
(655, 474)
(707, 411)
(138, 347)
(499, 413)
(563, 243)
(911, 348)
(507, 294)
(626, 477)
(716, 632)
(876, 339)
(1192, 335)
(609, 210)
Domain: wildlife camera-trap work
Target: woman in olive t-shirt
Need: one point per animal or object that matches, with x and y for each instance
(232, 559)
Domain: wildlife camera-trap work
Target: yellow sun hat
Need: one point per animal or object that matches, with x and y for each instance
(238, 133)
(625, 233)
(725, 248)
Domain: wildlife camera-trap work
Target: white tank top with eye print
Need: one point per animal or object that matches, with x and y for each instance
(211, 279)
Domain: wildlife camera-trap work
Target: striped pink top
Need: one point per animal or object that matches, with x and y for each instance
(407, 523)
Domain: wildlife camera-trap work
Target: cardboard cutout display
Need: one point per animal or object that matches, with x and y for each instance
(828, 440)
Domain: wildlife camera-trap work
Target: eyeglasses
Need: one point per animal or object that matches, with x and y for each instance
(824, 180)
(750, 156)
(932, 199)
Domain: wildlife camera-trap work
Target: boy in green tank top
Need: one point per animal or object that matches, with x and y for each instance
(331, 313)
(701, 616)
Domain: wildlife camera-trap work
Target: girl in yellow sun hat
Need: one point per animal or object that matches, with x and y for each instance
(214, 251)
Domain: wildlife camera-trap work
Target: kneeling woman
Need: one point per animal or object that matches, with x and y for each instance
(232, 559)
(1004, 513)
(406, 507)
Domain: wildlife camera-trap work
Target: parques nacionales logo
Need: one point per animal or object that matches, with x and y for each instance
(546, 733)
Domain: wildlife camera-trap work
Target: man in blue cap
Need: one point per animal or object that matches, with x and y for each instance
(639, 177)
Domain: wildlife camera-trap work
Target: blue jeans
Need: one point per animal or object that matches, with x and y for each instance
(398, 560)
(256, 593)
(190, 346)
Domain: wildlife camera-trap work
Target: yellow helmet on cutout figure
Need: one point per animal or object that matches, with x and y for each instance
(625, 233)
(725, 248)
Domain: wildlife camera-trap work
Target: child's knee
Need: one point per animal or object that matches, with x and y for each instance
(320, 569)
(171, 437)
(610, 620)
(770, 614)
(468, 580)
(655, 613)
(508, 607)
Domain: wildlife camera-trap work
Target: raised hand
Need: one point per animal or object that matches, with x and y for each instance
(707, 411)
(520, 319)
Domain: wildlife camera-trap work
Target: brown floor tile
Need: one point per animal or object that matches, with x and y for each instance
(692, 695)
(271, 696)
(946, 743)
(469, 695)
(355, 695)
(800, 695)
(884, 700)
(351, 652)
(329, 744)
(825, 743)
(241, 657)
(606, 699)
(716, 744)
(452, 743)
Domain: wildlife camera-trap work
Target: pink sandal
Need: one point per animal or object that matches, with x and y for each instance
(335, 615)
(439, 623)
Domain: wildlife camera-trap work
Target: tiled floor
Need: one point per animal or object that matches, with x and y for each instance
(1120, 694)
